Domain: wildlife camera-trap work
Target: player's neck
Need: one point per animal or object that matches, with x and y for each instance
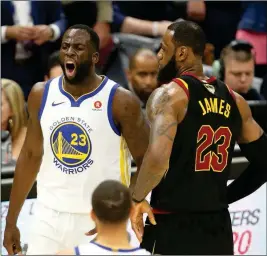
(113, 236)
(88, 85)
(196, 69)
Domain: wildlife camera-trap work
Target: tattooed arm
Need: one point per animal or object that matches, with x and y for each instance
(166, 108)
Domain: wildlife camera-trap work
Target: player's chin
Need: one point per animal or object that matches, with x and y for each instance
(70, 74)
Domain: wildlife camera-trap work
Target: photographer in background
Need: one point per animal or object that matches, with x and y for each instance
(236, 68)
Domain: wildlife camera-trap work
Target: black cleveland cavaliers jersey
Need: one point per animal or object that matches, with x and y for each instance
(202, 150)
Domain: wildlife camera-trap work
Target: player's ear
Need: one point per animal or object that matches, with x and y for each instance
(92, 214)
(181, 53)
(95, 57)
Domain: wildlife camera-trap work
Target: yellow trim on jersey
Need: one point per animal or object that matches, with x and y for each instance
(184, 83)
(124, 168)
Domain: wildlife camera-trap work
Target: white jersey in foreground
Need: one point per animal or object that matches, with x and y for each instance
(82, 146)
(93, 248)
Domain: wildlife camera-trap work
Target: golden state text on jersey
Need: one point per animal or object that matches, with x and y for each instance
(71, 145)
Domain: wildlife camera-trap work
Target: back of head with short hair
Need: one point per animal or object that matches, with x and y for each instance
(139, 52)
(189, 34)
(238, 55)
(111, 202)
(94, 38)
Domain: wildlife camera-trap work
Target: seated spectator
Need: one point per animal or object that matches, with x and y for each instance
(146, 18)
(53, 67)
(236, 69)
(97, 15)
(253, 28)
(28, 29)
(14, 115)
(142, 74)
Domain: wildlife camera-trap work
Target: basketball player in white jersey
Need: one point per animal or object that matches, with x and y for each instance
(111, 207)
(80, 126)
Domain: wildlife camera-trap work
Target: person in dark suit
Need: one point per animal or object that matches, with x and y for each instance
(26, 29)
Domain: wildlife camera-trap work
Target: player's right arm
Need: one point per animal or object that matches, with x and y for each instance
(253, 144)
(26, 170)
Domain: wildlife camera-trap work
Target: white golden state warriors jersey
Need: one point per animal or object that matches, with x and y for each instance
(82, 146)
(93, 248)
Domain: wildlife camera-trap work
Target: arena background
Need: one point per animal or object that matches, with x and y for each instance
(248, 215)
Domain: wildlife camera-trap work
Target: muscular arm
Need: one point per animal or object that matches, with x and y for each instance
(166, 108)
(29, 159)
(253, 144)
(134, 127)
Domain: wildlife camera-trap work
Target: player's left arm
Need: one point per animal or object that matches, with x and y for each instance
(166, 108)
(134, 127)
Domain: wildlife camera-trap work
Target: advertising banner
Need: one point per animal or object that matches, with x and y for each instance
(248, 221)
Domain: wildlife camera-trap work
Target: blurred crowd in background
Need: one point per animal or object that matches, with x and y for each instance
(31, 33)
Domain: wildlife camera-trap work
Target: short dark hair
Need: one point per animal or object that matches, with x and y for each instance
(94, 38)
(239, 50)
(140, 51)
(190, 34)
(111, 202)
(53, 61)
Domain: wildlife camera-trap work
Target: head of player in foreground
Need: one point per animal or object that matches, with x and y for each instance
(79, 53)
(111, 208)
(182, 50)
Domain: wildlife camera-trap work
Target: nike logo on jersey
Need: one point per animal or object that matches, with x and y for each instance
(55, 104)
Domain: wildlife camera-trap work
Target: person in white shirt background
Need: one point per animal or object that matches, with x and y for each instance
(28, 32)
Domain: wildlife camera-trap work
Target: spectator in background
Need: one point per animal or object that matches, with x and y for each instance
(236, 69)
(26, 27)
(142, 74)
(97, 15)
(146, 18)
(13, 114)
(219, 20)
(53, 67)
(253, 28)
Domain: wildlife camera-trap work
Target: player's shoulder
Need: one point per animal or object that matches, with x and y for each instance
(36, 95)
(169, 93)
(242, 106)
(125, 100)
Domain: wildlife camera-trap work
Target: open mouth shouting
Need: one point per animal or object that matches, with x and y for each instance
(70, 68)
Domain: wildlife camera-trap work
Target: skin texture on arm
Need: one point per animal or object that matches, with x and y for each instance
(27, 168)
(143, 27)
(253, 145)
(166, 108)
(250, 130)
(129, 117)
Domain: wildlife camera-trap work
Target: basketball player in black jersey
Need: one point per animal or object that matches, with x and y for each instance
(195, 123)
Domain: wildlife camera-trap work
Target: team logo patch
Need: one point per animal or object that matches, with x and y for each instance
(71, 147)
(210, 88)
(97, 106)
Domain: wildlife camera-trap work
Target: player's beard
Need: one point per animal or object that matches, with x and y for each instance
(82, 72)
(167, 73)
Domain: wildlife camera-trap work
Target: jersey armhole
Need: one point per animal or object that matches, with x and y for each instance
(231, 92)
(110, 115)
(77, 251)
(44, 98)
(183, 84)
